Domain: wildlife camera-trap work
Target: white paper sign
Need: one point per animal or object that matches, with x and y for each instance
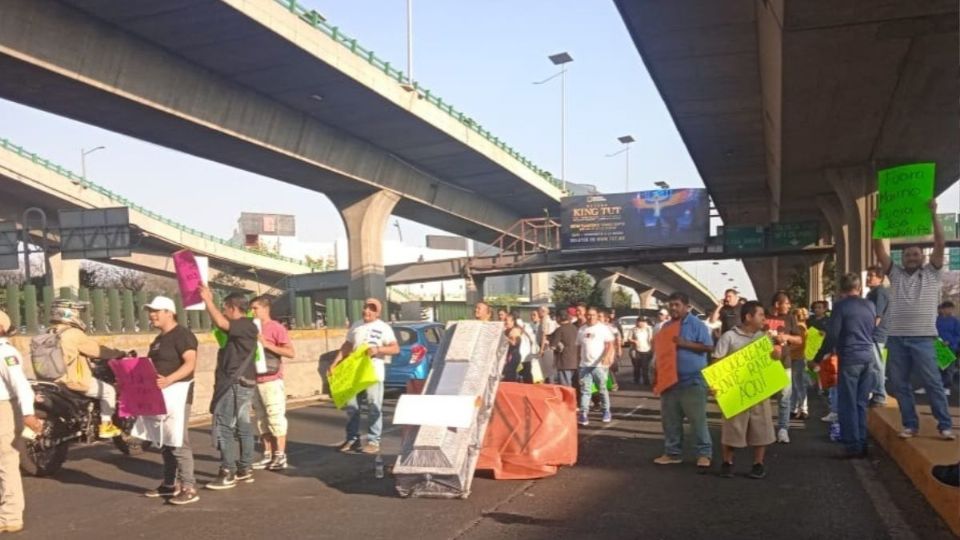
(203, 264)
(439, 411)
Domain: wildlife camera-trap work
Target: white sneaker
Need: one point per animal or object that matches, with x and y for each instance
(946, 391)
(920, 391)
(907, 433)
(783, 436)
(947, 435)
(830, 418)
(262, 464)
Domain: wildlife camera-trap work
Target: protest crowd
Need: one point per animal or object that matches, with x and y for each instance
(853, 351)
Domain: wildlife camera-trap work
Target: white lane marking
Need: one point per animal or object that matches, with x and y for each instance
(887, 510)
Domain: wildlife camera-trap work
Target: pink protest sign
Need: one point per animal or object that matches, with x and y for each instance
(137, 390)
(188, 277)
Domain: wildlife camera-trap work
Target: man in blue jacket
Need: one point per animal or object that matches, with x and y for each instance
(850, 334)
(948, 328)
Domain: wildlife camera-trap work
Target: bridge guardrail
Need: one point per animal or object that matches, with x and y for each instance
(76, 178)
(314, 19)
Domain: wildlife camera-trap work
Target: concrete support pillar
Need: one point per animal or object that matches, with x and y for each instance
(606, 289)
(540, 287)
(365, 218)
(764, 275)
(65, 273)
(475, 289)
(647, 299)
(855, 191)
(815, 280)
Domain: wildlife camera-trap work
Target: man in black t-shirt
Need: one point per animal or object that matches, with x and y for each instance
(235, 381)
(728, 312)
(174, 355)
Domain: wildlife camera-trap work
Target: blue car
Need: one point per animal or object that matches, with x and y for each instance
(418, 343)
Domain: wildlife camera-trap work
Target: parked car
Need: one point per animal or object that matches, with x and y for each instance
(418, 343)
(625, 323)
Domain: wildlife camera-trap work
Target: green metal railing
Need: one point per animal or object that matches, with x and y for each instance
(314, 19)
(76, 178)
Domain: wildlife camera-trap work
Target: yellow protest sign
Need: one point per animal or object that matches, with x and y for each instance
(746, 377)
(352, 375)
(812, 343)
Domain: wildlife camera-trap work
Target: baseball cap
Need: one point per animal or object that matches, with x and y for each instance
(377, 306)
(161, 303)
(4, 322)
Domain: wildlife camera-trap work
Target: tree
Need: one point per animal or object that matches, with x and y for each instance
(622, 300)
(226, 282)
(105, 276)
(505, 301)
(797, 286)
(572, 288)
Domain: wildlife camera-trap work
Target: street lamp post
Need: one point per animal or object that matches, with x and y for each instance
(83, 159)
(561, 59)
(625, 140)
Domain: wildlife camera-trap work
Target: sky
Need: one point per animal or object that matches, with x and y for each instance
(482, 57)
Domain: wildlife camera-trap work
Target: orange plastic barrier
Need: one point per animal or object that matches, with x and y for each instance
(533, 431)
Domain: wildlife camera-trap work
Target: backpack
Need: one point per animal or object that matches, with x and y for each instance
(46, 355)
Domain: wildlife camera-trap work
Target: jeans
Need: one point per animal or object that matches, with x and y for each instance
(690, 402)
(907, 354)
(566, 377)
(641, 367)
(783, 406)
(178, 462)
(798, 400)
(373, 396)
(879, 379)
(855, 382)
(231, 417)
(588, 377)
(832, 399)
(107, 395)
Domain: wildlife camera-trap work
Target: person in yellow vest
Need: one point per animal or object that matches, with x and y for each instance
(13, 386)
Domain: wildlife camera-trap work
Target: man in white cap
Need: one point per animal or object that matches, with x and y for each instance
(379, 336)
(13, 385)
(174, 355)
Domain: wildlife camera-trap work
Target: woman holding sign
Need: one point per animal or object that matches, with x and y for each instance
(174, 355)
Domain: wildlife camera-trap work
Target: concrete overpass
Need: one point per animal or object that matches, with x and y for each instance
(29, 180)
(267, 87)
(789, 107)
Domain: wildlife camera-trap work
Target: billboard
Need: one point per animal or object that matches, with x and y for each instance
(653, 219)
(267, 224)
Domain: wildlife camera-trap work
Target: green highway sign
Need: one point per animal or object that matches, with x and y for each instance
(896, 256)
(953, 259)
(949, 224)
(744, 239)
(794, 235)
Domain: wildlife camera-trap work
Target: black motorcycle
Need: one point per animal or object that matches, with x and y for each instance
(69, 418)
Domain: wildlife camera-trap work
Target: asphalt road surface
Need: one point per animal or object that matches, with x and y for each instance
(614, 491)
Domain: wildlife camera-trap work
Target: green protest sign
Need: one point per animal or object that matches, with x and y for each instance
(903, 198)
(353, 374)
(812, 343)
(746, 377)
(945, 356)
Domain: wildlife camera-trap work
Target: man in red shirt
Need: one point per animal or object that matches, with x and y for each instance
(270, 400)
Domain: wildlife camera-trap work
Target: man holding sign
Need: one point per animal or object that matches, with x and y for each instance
(379, 336)
(850, 335)
(235, 381)
(754, 426)
(911, 322)
(688, 396)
